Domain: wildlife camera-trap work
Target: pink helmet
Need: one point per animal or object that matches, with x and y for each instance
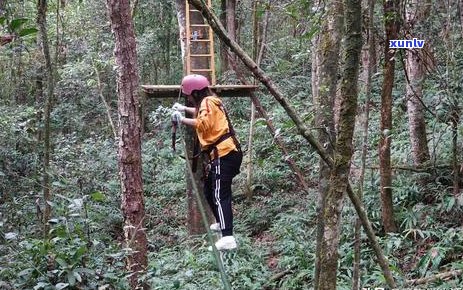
(192, 83)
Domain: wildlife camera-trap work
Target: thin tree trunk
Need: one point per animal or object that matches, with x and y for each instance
(103, 99)
(228, 18)
(327, 59)
(46, 184)
(302, 128)
(369, 65)
(258, 55)
(455, 162)
(231, 26)
(339, 177)
(391, 12)
(223, 48)
(415, 71)
(129, 151)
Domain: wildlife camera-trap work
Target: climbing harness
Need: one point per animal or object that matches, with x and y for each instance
(231, 133)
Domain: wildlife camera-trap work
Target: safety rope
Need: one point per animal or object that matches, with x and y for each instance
(215, 252)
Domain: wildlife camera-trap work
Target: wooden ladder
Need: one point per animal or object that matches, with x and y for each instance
(199, 43)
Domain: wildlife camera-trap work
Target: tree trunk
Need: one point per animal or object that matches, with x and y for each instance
(339, 177)
(368, 65)
(105, 103)
(327, 60)
(223, 48)
(303, 130)
(415, 71)
(46, 185)
(195, 225)
(129, 151)
(231, 25)
(228, 18)
(391, 14)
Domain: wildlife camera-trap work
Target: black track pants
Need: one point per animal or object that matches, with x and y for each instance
(217, 189)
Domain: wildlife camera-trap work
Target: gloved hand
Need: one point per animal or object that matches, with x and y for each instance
(178, 107)
(177, 117)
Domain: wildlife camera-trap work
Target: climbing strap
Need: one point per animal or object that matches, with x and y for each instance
(231, 133)
(215, 252)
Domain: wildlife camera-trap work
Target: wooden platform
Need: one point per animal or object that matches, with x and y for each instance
(172, 91)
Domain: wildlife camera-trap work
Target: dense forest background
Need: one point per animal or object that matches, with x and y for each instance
(63, 108)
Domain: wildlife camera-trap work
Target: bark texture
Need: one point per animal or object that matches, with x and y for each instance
(46, 185)
(229, 21)
(327, 70)
(339, 177)
(415, 13)
(129, 147)
(391, 15)
(368, 67)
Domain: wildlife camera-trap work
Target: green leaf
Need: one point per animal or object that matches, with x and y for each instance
(79, 253)
(60, 286)
(77, 275)
(28, 31)
(16, 23)
(98, 196)
(25, 272)
(71, 278)
(62, 262)
(40, 285)
(58, 184)
(2, 20)
(85, 270)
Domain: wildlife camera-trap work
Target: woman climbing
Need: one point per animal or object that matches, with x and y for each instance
(218, 141)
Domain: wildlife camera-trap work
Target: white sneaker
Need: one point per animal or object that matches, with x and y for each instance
(226, 243)
(215, 227)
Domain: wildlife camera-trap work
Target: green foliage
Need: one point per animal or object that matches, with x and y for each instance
(276, 230)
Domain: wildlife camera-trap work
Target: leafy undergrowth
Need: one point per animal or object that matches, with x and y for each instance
(274, 250)
(276, 229)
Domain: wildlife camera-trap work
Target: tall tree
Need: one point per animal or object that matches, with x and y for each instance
(339, 176)
(46, 185)
(391, 22)
(326, 79)
(129, 151)
(229, 21)
(368, 68)
(416, 12)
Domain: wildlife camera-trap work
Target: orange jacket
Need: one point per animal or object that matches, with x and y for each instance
(211, 124)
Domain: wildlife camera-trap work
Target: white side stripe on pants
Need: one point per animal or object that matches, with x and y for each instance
(217, 195)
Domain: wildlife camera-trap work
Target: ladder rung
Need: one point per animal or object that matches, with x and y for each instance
(199, 25)
(201, 69)
(203, 55)
(194, 10)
